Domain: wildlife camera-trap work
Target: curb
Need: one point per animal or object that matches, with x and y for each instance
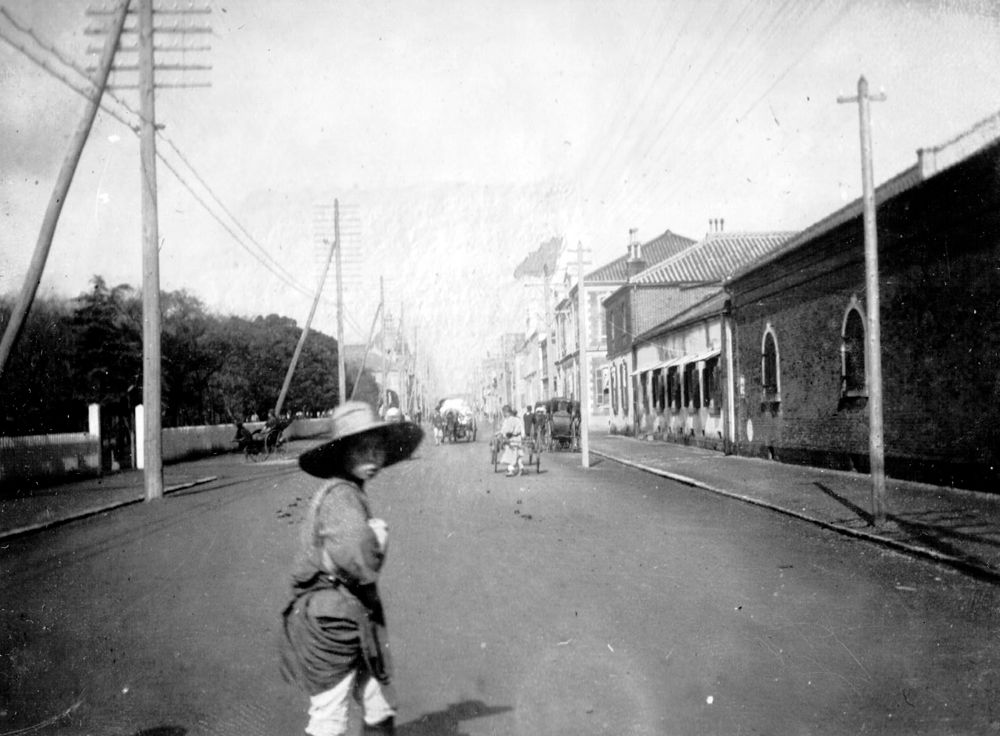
(31, 528)
(957, 563)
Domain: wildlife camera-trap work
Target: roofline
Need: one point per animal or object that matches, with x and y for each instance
(930, 162)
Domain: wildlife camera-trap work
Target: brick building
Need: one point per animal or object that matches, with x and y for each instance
(599, 284)
(665, 338)
(799, 322)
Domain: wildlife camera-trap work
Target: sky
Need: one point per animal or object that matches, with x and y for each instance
(457, 136)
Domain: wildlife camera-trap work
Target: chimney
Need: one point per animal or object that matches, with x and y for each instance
(635, 262)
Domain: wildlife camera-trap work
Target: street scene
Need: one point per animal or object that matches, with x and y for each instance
(499, 368)
(561, 601)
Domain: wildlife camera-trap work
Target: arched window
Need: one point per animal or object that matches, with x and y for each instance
(770, 375)
(852, 352)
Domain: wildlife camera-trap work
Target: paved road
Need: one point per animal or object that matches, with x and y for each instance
(605, 601)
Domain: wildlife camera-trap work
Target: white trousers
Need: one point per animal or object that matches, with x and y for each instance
(328, 710)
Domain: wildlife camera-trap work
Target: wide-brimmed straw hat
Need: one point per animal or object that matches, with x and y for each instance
(351, 421)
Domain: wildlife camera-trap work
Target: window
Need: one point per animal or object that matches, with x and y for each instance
(614, 390)
(623, 388)
(770, 378)
(674, 388)
(658, 403)
(692, 386)
(600, 393)
(713, 383)
(852, 353)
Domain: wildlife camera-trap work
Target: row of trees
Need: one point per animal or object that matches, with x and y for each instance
(215, 369)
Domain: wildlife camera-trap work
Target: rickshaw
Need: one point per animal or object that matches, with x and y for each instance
(531, 451)
(563, 424)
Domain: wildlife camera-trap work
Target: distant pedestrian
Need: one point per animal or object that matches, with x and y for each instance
(512, 433)
(528, 420)
(334, 642)
(437, 421)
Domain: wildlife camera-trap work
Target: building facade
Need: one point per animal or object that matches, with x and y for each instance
(801, 323)
(598, 285)
(666, 329)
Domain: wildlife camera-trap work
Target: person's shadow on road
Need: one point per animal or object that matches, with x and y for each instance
(445, 722)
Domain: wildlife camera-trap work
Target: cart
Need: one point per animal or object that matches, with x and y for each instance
(563, 424)
(530, 450)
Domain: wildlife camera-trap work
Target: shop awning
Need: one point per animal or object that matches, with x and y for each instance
(701, 356)
(683, 360)
(658, 366)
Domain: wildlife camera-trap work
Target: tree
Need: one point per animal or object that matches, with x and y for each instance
(38, 394)
(108, 326)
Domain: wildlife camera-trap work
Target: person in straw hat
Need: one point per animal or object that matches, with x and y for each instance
(334, 643)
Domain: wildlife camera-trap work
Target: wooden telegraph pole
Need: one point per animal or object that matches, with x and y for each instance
(341, 369)
(584, 362)
(550, 333)
(334, 248)
(385, 371)
(151, 324)
(873, 347)
(61, 189)
(151, 458)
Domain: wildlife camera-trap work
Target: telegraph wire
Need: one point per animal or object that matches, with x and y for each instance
(283, 274)
(717, 117)
(662, 130)
(721, 117)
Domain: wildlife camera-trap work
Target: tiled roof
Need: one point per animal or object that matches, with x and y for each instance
(714, 258)
(658, 249)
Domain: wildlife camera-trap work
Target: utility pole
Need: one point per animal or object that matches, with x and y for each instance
(61, 189)
(385, 372)
(151, 324)
(550, 341)
(305, 331)
(873, 362)
(401, 365)
(341, 366)
(147, 68)
(584, 361)
(368, 346)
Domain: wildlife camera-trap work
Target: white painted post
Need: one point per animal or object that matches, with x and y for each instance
(94, 421)
(140, 433)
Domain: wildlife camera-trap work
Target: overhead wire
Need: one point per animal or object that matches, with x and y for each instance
(717, 116)
(710, 104)
(262, 257)
(693, 94)
(598, 172)
(721, 117)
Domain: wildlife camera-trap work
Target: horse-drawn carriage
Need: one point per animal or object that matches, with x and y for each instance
(562, 425)
(260, 443)
(458, 420)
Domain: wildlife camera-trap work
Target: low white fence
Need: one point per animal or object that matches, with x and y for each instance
(181, 443)
(49, 455)
(78, 454)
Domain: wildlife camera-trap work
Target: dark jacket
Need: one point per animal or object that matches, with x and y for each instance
(334, 622)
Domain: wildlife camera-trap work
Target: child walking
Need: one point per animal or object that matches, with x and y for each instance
(334, 635)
